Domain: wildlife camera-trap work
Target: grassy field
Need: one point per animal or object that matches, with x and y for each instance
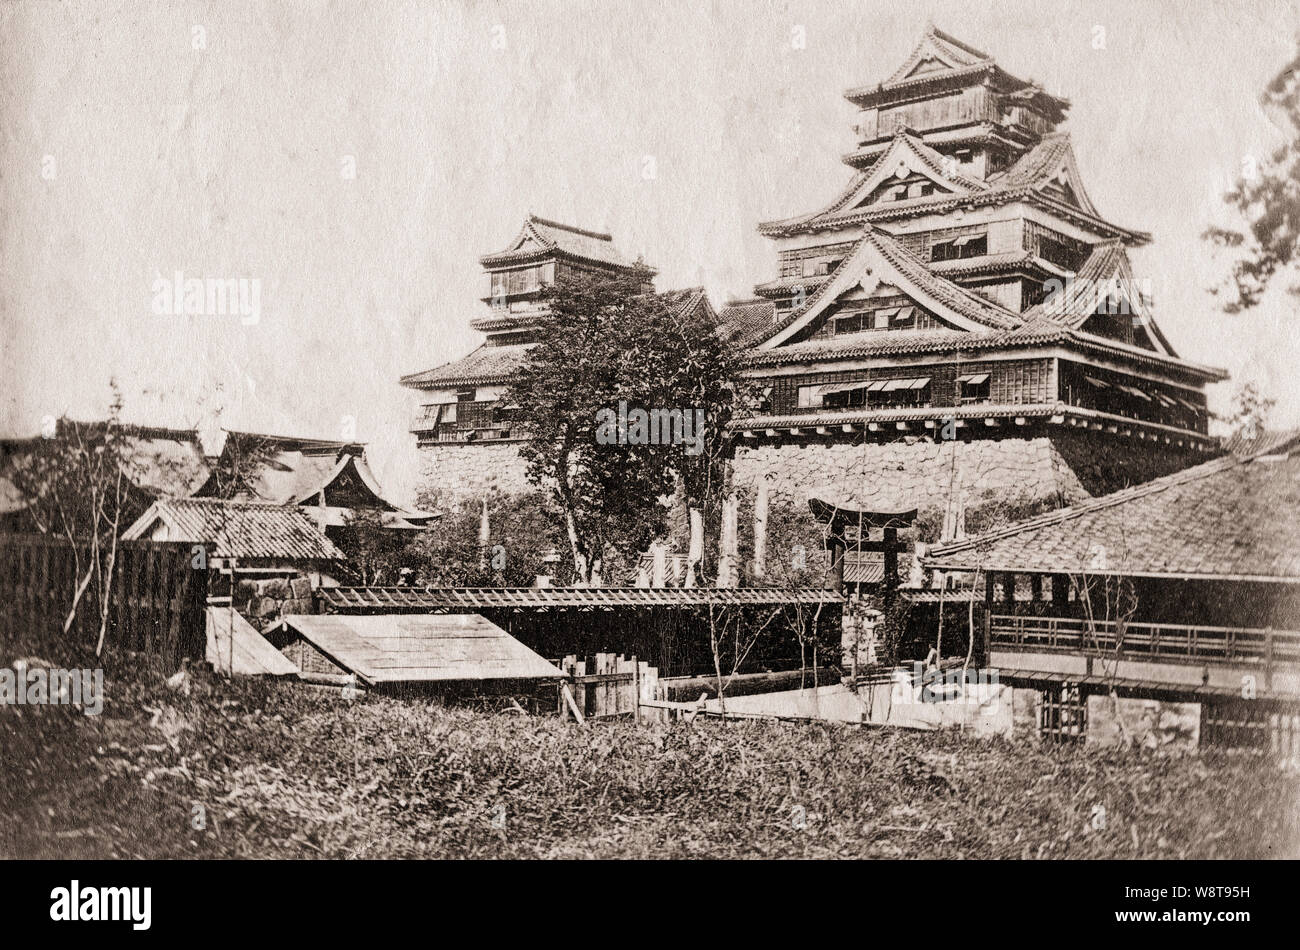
(277, 770)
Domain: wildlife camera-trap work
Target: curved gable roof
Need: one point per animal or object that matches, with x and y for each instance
(878, 258)
(1107, 270)
(540, 236)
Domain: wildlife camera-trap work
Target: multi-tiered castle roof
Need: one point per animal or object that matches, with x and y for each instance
(963, 273)
(963, 278)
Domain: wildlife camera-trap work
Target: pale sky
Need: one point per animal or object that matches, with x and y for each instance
(127, 154)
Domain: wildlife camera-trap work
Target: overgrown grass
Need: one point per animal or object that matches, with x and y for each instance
(279, 770)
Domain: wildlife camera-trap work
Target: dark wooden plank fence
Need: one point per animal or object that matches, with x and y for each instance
(156, 604)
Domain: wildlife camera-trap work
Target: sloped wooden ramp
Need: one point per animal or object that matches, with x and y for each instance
(234, 647)
(416, 648)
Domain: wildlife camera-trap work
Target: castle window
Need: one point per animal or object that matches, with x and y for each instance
(974, 387)
(968, 245)
(899, 393)
(848, 324)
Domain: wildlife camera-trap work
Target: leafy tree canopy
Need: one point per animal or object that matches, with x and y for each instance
(1267, 197)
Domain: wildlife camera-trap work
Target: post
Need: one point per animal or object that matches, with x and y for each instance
(484, 537)
(727, 543)
(988, 616)
(659, 574)
(760, 533)
(695, 550)
(1268, 658)
(636, 691)
(837, 549)
(891, 561)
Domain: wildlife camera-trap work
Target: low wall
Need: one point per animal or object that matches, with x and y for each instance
(263, 602)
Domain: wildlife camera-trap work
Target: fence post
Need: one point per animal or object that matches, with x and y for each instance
(636, 691)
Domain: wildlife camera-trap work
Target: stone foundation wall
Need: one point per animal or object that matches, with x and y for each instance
(262, 602)
(1054, 469)
(465, 471)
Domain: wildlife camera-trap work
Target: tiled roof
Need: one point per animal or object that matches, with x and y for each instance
(1232, 518)
(1263, 443)
(1108, 262)
(541, 236)
(689, 301)
(907, 148)
(935, 44)
(406, 648)
(239, 529)
(954, 59)
(745, 322)
(864, 567)
(888, 343)
(784, 284)
(496, 363)
(835, 417)
(490, 363)
(1024, 180)
(1039, 332)
(933, 417)
(990, 264)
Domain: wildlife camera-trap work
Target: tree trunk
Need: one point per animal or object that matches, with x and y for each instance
(579, 559)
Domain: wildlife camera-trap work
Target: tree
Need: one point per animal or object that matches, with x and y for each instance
(1250, 409)
(78, 481)
(524, 529)
(236, 471)
(619, 397)
(1267, 197)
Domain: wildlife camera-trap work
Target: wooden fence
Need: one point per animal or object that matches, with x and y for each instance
(156, 600)
(1251, 725)
(615, 686)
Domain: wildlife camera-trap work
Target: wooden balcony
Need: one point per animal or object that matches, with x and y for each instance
(1146, 641)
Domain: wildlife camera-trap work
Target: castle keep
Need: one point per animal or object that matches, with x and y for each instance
(961, 318)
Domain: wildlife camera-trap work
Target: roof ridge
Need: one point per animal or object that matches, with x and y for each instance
(598, 235)
(1120, 497)
(231, 502)
(949, 38)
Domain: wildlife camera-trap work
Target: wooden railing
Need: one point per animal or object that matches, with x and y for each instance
(1146, 640)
